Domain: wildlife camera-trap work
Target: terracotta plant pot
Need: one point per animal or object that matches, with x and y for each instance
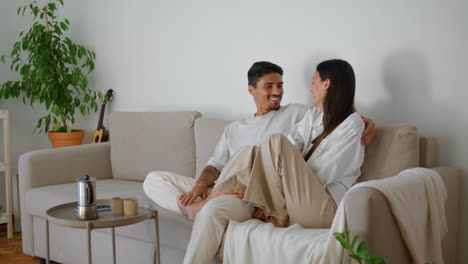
(63, 139)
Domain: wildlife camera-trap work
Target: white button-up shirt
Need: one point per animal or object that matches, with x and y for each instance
(338, 158)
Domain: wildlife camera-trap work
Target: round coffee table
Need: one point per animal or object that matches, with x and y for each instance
(64, 215)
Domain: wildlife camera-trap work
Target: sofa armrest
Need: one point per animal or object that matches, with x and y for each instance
(450, 176)
(63, 165)
(57, 166)
(369, 216)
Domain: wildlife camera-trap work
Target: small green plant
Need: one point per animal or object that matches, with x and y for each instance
(360, 254)
(52, 69)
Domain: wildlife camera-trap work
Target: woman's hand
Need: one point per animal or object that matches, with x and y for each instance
(239, 193)
(369, 132)
(199, 190)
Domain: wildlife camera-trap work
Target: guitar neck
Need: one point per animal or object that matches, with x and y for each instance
(101, 117)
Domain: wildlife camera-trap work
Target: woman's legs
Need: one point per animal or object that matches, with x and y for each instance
(282, 184)
(306, 201)
(278, 180)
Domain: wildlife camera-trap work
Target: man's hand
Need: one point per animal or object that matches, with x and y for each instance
(369, 132)
(200, 190)
(207, 178)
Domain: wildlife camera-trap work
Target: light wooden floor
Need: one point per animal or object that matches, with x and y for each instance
(11, 249)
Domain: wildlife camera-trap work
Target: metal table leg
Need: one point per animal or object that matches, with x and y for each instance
(47, 242)
(113, 245)
(156, 222)
(88, 229)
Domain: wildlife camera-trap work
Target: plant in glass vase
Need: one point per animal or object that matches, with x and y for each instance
(52, 71)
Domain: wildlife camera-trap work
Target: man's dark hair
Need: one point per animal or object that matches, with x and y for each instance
(260, 69)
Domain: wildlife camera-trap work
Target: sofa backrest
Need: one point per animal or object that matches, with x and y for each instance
(207, 134)
(427, 151)
(144, 142)
(182, 142)
(395, 148)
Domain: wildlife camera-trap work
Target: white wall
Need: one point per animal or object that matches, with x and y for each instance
(409, 60)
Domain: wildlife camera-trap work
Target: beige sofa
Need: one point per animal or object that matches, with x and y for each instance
(182, 142)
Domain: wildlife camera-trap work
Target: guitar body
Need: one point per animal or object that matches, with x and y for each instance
(101, 134)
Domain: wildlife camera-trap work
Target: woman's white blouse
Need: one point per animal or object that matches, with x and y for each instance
(338, 158)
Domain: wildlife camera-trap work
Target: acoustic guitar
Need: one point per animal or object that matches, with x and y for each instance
(102, 134)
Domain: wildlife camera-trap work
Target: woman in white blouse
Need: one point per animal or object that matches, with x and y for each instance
(302, 180)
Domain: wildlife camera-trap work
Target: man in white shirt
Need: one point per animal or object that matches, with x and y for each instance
(167, 189)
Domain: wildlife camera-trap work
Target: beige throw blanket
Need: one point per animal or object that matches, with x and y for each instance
(416, 197)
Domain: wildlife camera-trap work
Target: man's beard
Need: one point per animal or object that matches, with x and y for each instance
(274, 108)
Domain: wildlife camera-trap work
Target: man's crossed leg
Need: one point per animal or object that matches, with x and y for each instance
(210, 225)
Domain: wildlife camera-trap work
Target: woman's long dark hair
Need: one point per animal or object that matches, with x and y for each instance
(338, 103)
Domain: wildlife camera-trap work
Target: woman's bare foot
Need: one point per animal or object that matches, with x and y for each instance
(279, 222)
(260, 215)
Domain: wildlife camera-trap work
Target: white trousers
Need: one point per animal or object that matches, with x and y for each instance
(208, 230)
(211, 224)
(164, 187)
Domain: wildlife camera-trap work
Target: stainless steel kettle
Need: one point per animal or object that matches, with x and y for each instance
(86, 209)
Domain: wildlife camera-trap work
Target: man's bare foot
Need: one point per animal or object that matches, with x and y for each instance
(279, 222)
(190, 211)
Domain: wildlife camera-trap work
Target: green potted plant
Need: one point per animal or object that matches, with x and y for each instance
(360, 255)
(52, 70)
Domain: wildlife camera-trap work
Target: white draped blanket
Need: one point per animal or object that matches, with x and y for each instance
(256, 242)
(416, 197)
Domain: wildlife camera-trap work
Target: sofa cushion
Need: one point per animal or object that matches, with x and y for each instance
(175, 229)
(145, 142)
(395, 148)
(207, 134)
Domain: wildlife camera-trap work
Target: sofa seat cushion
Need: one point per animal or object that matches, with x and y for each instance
(175, 229)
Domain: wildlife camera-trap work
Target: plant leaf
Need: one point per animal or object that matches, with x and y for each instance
(63, 26)
(371, 259)
(355, 239)
(47, 123)
(341, 238)
(56, 110)
(57, 126)
(39, 124)
(362, 248)
(357, 258)
(338, 236)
